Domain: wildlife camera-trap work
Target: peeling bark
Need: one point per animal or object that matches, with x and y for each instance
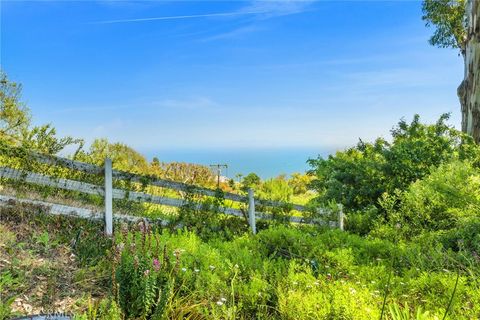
(469, 89)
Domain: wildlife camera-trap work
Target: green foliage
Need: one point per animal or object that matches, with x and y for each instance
(14, 115)
(204, 216)
(358, 176)
(250, 181)
(446, 199)
(277, 189)
(6, 281)
(299, 183)
(104, 309)
(15, 123)
(448, 17)
(403, 313)
(143, 277)
(123, 157)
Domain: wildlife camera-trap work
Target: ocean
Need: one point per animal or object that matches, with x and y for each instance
(267, 163)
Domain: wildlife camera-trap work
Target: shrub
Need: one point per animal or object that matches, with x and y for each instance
(444, 200)
(358, 176)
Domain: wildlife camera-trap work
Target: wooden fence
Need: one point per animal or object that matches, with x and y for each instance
(109, 193)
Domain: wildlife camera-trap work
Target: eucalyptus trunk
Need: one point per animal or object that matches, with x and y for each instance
(469, 89)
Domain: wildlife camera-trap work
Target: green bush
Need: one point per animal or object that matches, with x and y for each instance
(447, 198)
(358, 176)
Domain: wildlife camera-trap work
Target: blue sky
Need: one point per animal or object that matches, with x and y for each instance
(173, 78)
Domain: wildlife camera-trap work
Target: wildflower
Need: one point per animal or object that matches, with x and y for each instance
(196, 270)
(146, 273)
(156, 264)
(223, 299)
(220, 303)
(184, 269)
(212, 268)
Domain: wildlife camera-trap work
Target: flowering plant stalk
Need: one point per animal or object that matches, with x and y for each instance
(144, 277)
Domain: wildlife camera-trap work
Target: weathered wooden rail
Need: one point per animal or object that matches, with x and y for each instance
(108, 192)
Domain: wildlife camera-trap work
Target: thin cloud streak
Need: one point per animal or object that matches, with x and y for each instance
(194, 16)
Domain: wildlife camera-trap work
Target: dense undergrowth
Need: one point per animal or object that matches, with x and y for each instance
(280, 273)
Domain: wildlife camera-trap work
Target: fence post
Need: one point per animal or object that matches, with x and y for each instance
(340, 216)
(251, 211)
(108, 197)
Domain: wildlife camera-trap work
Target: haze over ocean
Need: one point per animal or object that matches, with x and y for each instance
(266, 162)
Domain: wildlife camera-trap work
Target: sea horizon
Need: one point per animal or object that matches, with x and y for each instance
(265, 162)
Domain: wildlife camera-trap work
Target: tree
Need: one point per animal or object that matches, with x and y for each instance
(457, 25)
(123, 157)
(15, 123)
(251, 180)
(14, 115)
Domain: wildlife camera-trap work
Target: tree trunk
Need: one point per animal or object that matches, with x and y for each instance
(469, 89)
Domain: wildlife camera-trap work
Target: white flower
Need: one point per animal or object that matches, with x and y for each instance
(184, 269)
(223, 299)
(196, 270)
(212, 267)
(220, 303)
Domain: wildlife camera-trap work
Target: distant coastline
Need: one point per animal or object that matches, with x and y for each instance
(266, 162)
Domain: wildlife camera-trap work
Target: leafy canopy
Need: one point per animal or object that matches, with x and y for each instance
(15, 123)
(448, 18)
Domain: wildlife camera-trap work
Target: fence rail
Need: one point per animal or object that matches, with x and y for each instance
(109, 193)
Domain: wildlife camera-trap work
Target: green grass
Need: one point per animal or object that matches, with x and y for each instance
(281, 273)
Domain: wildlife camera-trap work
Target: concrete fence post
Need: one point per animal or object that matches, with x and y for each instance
(251, 211)
(108, 198)
(340, 216)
